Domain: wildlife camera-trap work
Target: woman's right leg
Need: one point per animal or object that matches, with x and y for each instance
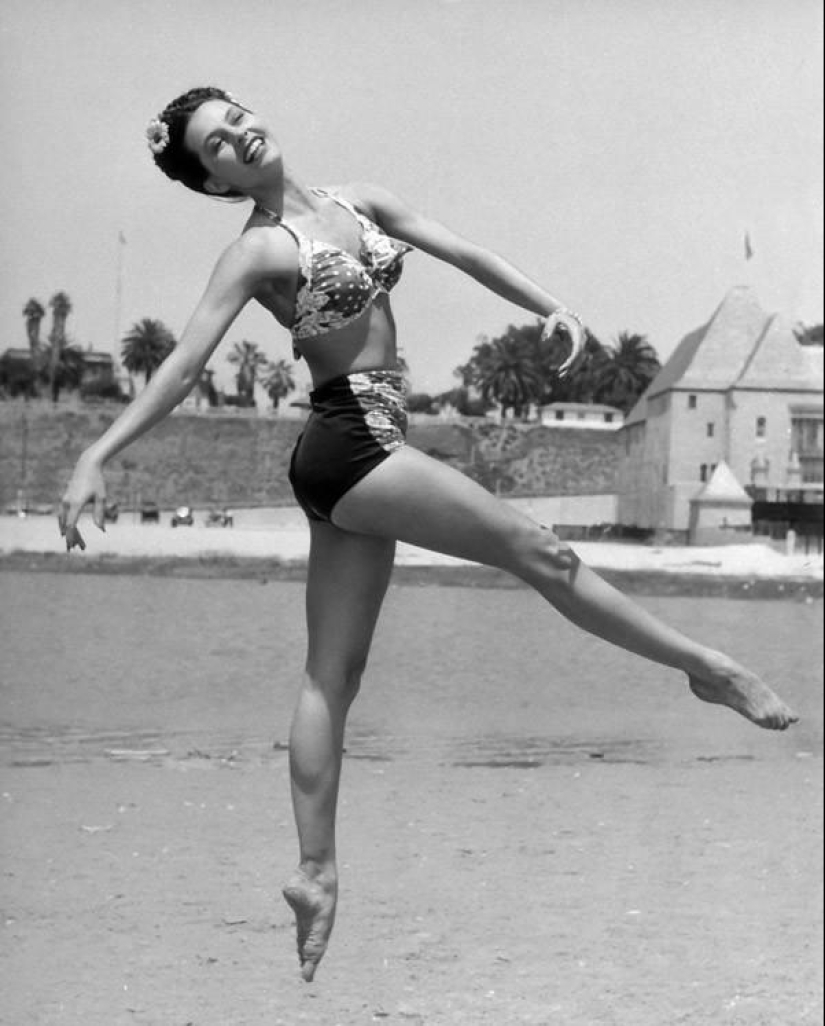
(347, 578)
(416, 499)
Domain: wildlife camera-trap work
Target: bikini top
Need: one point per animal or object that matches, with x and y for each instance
(335, 287)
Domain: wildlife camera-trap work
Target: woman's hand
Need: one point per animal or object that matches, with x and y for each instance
(86, 485)
(563, 323)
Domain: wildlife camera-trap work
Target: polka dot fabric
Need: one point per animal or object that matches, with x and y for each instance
(336, 288)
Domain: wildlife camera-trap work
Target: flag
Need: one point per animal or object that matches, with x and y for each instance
(748, 246)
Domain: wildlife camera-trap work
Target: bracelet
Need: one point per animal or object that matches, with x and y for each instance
(566, 313)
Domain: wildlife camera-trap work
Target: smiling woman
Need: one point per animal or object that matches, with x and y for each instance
(324, 261)
(175, 142)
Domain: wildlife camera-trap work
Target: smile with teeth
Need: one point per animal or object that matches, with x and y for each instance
(252, 149)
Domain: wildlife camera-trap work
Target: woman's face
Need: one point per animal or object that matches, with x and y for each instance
(234, 146)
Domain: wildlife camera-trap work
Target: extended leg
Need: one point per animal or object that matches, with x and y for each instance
(416, 499)
(347, 578)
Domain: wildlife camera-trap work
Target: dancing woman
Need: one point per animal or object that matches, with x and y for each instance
(323, 262)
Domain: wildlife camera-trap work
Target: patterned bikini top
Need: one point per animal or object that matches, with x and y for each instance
(334, 287)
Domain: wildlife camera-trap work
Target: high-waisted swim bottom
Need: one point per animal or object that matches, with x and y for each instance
(357, 420)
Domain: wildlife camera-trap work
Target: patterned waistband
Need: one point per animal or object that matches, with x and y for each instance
(389, 382)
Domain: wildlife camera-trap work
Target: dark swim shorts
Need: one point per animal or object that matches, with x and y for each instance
(357, 420)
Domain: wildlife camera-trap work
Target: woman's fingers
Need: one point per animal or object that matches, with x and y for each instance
(86, 486)
(564, 323)
(68, 516)
(573, 330)
(74, 538)
(100, 512)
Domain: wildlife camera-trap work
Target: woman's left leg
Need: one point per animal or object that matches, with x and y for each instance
(347, 579)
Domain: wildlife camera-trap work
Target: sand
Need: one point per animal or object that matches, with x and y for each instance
(611, 885)
(285, 538)
(579, 895)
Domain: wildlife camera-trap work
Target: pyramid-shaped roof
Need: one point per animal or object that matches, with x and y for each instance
(723, 487)
(740, 346)
(779, 360)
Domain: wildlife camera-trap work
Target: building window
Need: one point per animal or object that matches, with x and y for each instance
(761, 426)
(691, 402)
(807, 443)
(710, 429)
(703, 472)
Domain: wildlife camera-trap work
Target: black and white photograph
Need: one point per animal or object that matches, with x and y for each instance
(411, 513)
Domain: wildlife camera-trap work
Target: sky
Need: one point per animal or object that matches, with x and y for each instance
(617, 151)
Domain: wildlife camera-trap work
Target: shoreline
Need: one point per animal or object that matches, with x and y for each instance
(265, 569)
(275, 546)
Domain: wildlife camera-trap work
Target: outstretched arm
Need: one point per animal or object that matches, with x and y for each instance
(403, 222)
(231, 285)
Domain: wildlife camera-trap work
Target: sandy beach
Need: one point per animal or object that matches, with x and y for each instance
(533, 831)
(557, 859)
(281, 535)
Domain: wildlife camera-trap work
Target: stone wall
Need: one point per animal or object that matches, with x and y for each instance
(243, 460)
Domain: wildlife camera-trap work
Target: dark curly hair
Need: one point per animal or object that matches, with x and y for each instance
(175, 160)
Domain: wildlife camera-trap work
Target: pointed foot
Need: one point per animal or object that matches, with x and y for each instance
(727, 683)
(313, 901)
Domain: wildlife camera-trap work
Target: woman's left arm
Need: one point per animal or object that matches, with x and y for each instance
(403, 222)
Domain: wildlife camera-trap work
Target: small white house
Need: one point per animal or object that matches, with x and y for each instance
(581, 415)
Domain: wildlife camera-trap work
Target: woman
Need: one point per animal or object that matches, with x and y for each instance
(323, 262)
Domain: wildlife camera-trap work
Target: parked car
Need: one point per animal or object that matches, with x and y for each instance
(183, 517)
(149, 512)
(219, 518)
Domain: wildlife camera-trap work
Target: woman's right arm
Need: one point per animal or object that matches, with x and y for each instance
(230, 287)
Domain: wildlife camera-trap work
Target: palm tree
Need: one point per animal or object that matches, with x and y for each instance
(34, 314)
(61, 308)
(251, 364)
(508, 374)
(631, 365)
(145, 346)
(65, 368)
(586, 376)
(278, 381)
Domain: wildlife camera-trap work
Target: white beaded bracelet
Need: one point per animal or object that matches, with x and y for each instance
(565, 312)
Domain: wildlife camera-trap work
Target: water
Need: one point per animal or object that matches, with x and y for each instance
(120, 667)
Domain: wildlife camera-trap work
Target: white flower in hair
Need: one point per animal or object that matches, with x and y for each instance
(157, 135)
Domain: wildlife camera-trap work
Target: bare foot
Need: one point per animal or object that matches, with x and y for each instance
(726, 683)
(313, 901)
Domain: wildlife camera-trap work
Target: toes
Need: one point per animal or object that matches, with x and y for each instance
(308, 968)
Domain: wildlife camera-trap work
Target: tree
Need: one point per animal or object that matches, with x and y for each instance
(61, 308)
(420, 402)
(587, 374)
(34, 313)
(809, 336)
(145, 346)
(518, 368)
(61, 368)
(630, 366)
(251, 364)
(17, 375)
(404, 369)
(509, 374)
(278, 381)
